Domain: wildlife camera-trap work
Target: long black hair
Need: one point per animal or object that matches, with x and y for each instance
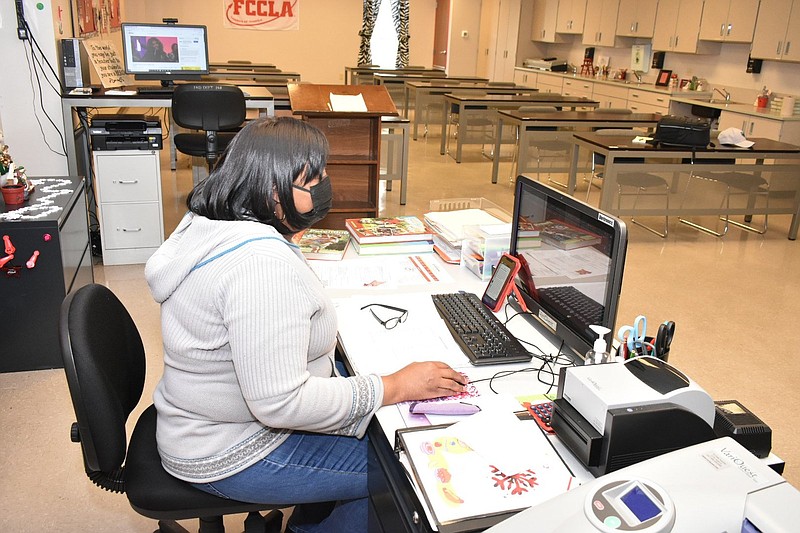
(261, 162)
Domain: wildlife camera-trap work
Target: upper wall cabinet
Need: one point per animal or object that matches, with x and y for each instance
(600, 26)
(637, 18)
(678, 26)
(570, 16)
(777, 27)
(730, 21)
(545, 18)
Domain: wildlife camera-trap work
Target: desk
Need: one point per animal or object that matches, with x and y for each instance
(252, 75)
(527, 125)
(784, 160)
(427, 93)
(469, 107)
(363, 75)
(257, 98)
(395, 82)
(395, 506)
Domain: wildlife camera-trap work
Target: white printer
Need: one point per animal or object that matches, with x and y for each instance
(546, 63)
(714, 486)
(615, 415)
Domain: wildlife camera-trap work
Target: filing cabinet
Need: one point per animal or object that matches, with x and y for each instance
(128, 190)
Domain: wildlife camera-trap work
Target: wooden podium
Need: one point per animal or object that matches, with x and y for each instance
(355, 142)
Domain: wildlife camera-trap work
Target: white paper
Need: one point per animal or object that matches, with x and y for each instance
(384, 272)
(348, 102)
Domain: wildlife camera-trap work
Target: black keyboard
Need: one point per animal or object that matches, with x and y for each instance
(155, 89)
(572, 303)
(482, 337)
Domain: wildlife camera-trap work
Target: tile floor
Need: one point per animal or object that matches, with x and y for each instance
(736, 302)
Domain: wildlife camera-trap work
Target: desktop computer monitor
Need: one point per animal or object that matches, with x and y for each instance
(572, 258)
(165, 52)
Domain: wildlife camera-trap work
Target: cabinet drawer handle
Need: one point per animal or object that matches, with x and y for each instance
(126, 182)
(780, 45)
(721, 29)
(131, 230)
(634, 95)
(659, 99)
(786, 51)
(676, 40)
(730, 27)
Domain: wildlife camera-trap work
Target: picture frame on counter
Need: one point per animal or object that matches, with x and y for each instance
(684, 84)
(663, 78)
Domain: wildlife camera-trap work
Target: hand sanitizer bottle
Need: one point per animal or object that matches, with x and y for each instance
(599, 352)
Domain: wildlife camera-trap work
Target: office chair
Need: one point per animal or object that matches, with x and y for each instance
(104, 361)
(216, 109)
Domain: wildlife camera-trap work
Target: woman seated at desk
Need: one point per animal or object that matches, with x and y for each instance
(251, 406)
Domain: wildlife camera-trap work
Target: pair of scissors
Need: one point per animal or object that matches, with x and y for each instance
(634, 336)
(663, 339)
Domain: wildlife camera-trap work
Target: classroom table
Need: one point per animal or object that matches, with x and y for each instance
(529, 127)
(255, 98)
(239, 67)
(778, 161)
(363, 75)
(426, 93)
(395, 83)
(471, 107)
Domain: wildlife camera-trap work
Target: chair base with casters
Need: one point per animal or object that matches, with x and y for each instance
(736, 183)
(644, 183)
(104, 362)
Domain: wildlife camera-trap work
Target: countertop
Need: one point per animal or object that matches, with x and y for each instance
(619, 83)
(735, 107)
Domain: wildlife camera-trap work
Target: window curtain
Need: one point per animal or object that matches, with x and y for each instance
(400, 17)
(370, 16)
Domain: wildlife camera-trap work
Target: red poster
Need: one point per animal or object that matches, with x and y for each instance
(87, 20)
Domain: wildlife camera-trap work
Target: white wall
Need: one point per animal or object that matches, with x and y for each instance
(20, 96)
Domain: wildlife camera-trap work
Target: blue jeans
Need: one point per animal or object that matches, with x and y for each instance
(307, 468)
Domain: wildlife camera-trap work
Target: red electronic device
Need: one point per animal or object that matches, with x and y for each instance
(502, 284)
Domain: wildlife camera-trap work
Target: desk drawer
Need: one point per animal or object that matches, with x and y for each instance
(131, 225)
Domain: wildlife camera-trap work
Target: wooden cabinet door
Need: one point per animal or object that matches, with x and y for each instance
(791, 49)
(741, 21)
(608, 23)
(545, 15)
(636, 18)
(687, 28)
(714, 24)
(487, 39)
(769, 38)
(666, 22)
(571, 14)
(507, 33)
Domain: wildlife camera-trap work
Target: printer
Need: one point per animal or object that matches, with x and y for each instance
(617, 414)
(546, 63)
(125, 132)
(713, 486)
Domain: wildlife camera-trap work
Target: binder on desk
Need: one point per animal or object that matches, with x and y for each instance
(465, 492)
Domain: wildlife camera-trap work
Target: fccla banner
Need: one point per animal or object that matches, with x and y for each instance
(262, 14)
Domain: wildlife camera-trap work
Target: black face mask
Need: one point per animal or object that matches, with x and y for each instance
(321, 201)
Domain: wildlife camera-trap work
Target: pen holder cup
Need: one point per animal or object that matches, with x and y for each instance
(647, 349)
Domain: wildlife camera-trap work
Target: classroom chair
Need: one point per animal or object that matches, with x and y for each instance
(104, 361)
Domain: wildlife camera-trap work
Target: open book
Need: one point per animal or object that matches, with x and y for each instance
(348, 102)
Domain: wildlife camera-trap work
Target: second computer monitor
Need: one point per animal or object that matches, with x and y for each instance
(165, 52)
(573, 257)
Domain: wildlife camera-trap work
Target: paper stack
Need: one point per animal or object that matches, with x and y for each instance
(449, 229)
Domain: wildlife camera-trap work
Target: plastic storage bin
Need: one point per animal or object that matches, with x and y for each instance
(482, 248)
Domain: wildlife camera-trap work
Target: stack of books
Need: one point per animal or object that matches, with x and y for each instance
(389, 235)
(564, 236)
(449, 229)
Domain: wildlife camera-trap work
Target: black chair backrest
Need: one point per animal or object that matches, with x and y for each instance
(207, 106)
(104, 361)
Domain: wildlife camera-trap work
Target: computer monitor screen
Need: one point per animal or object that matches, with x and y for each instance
(165, 52)
(572, 259)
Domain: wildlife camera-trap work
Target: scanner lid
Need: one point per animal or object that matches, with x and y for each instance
(657, 374)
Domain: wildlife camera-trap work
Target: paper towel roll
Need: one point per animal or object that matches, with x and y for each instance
(787, 106)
